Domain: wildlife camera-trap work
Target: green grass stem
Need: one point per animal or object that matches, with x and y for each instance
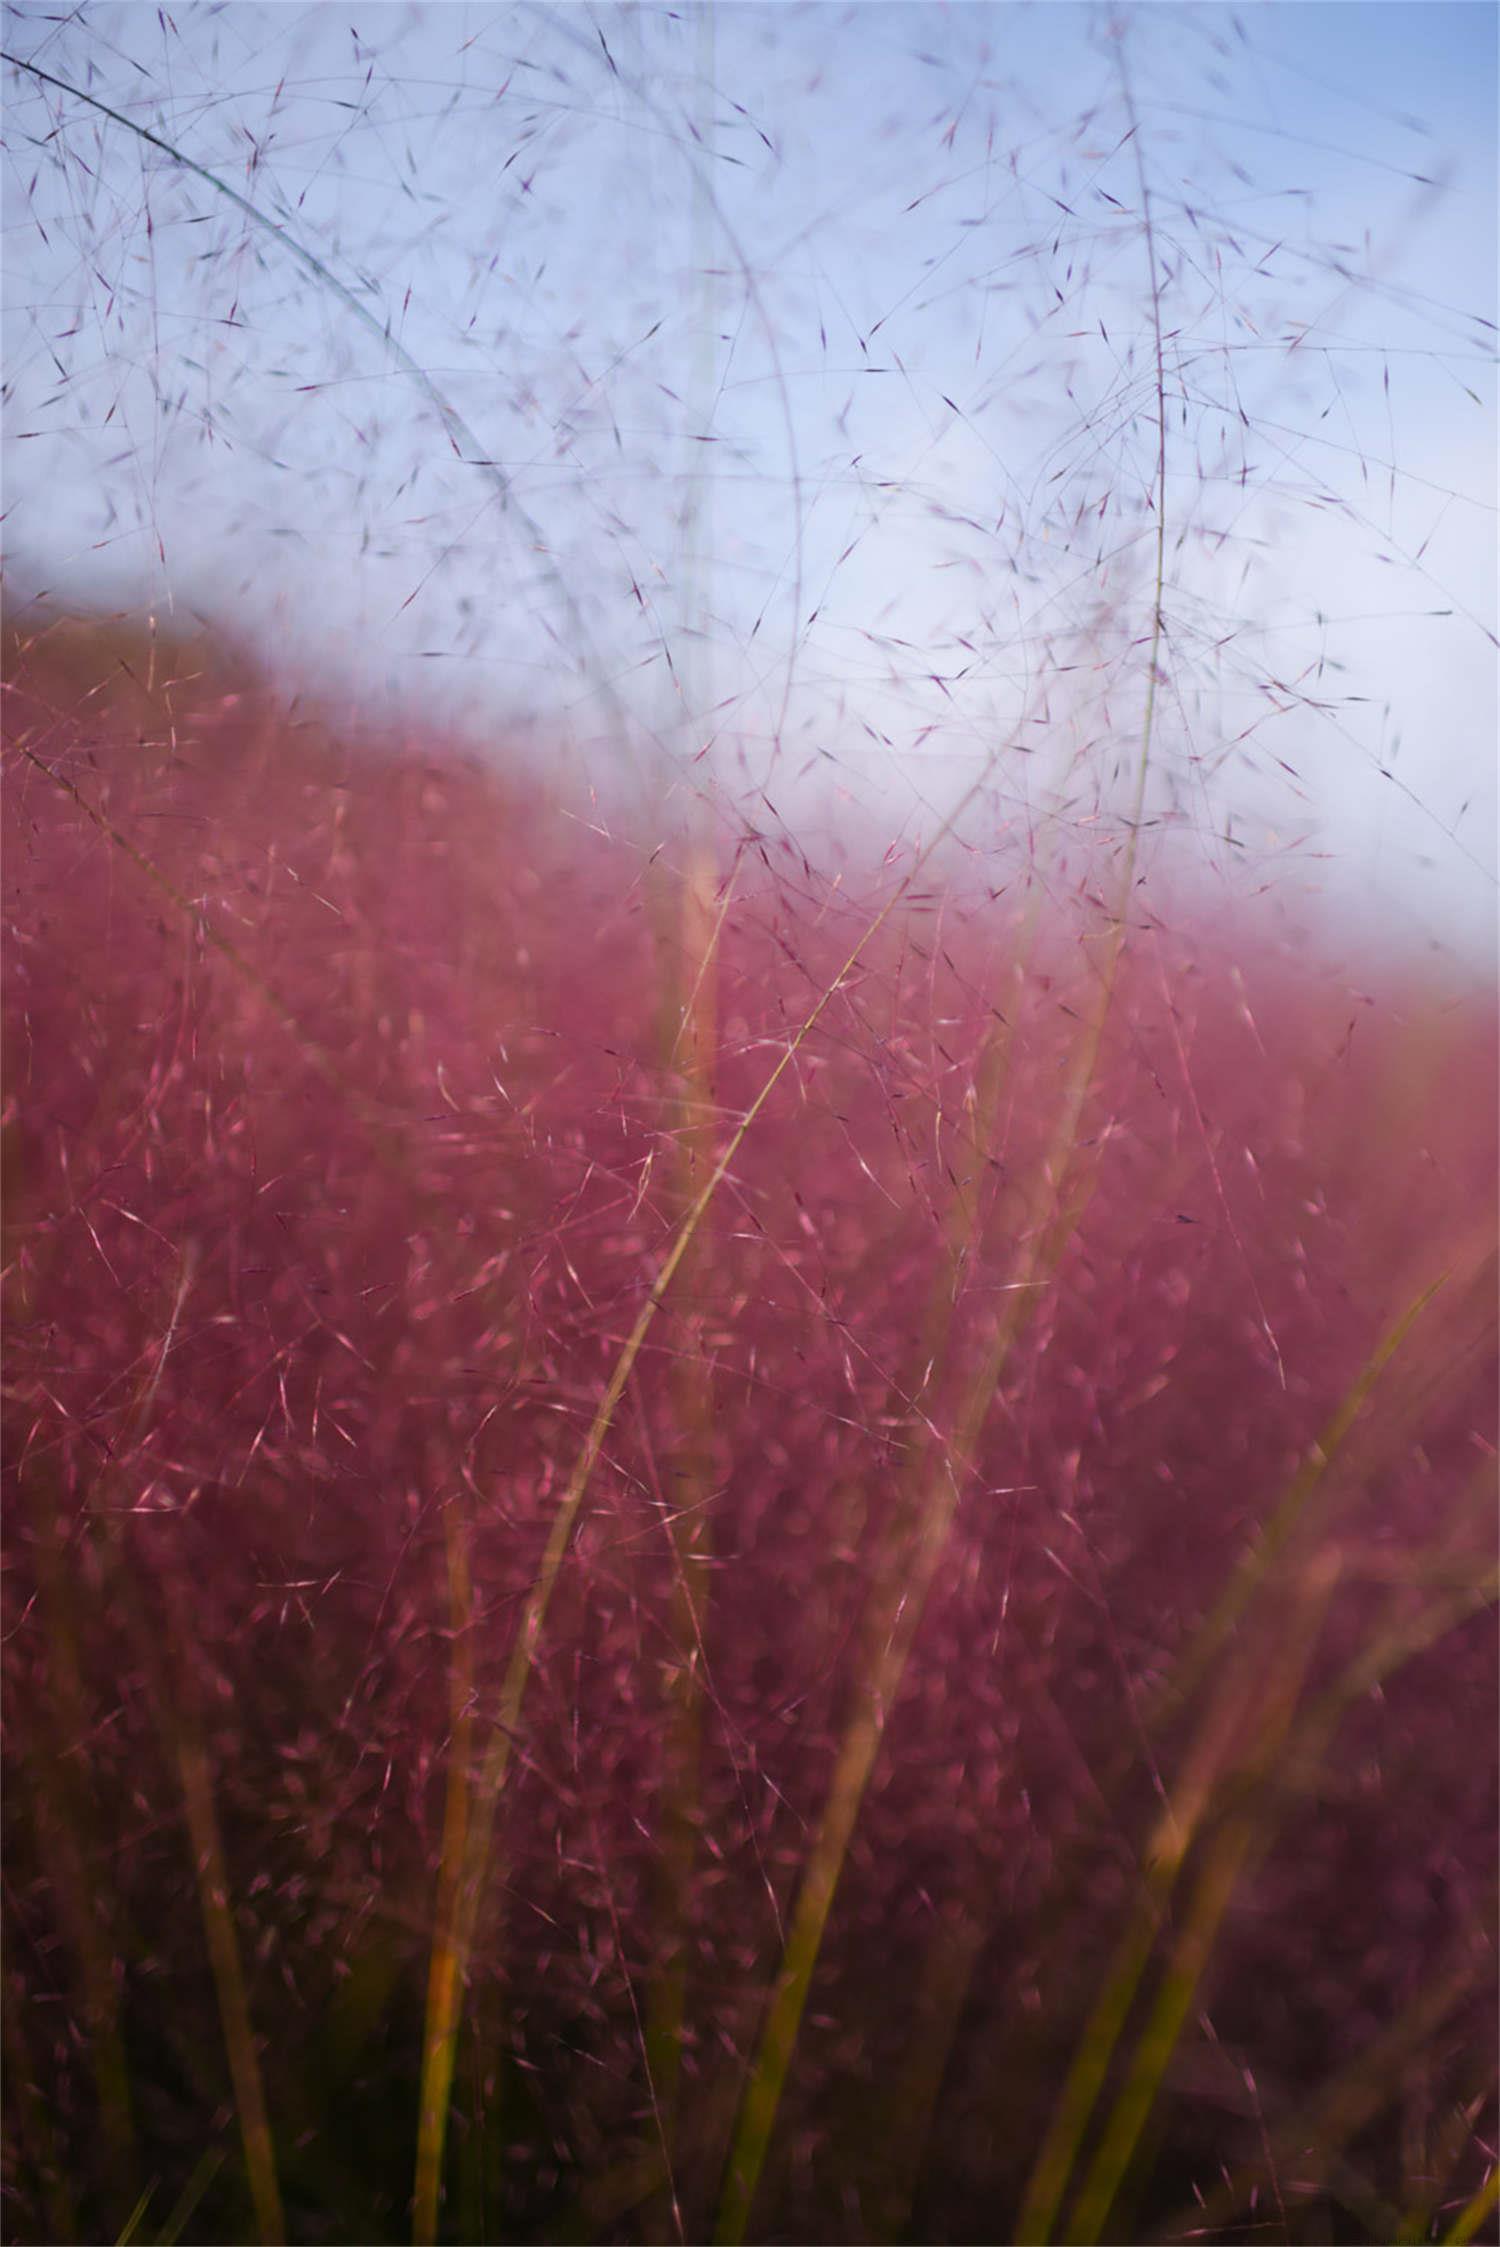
(455, 1931)
(1242, 1836)
(1061, 1198)
(1476, 2212)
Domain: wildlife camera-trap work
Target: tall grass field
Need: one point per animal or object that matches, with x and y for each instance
(734, 1509)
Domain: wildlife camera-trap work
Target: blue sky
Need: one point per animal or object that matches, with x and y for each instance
(806, 372)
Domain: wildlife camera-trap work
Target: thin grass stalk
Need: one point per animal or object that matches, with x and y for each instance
(632, 2185)
(455, 1930)
(896, 1610)
(1208, 1762)
(1386, 1650)
(762, 2093)
(62, 1822)
(957, 1949)
(1044, 1246)
(1190, 1955)
(1255, 1564)
(1106, 2022)
(182, 1738)
(689, 953)
(958, 1946)
(195, 1775)
(1190, 1799)
(444, 1965)
(1085, 2078)
(901, 2142)
(1304, 1745)
(964, 1217)
(688, 1524)
(1466, 2224)
(1243, 1836)
(182, 1733)
(60, 1826)
(186, 2205)
(1386, 1654)
(1471, 1592)
(897, 1604)
(229, 1979)
(1440, 2166)
(459, 1913)
(1418, 2161)
(137, 2215)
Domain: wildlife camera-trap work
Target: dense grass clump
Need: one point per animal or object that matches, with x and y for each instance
(968, 1714)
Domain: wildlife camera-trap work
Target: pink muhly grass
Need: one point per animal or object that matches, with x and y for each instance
(345, 1145)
